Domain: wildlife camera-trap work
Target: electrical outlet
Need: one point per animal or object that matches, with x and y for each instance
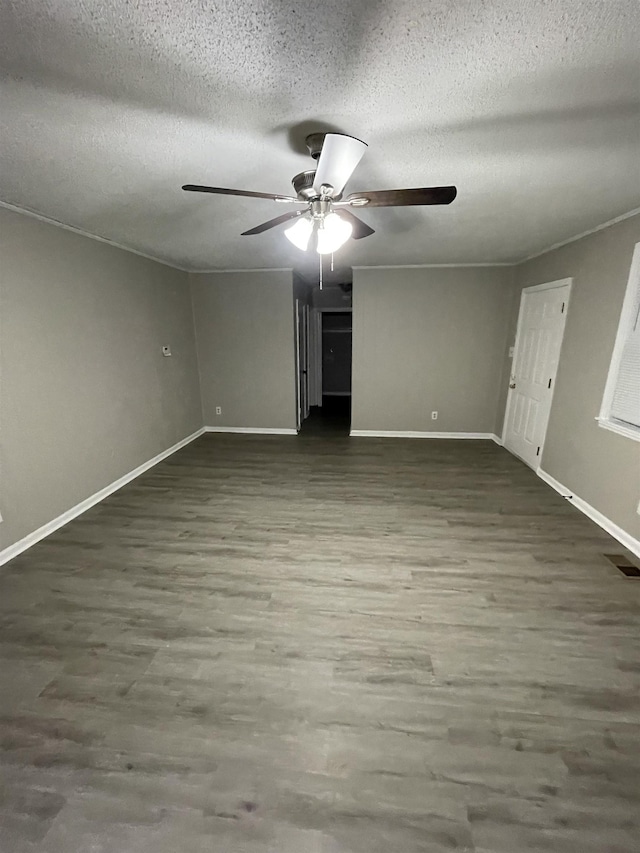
(218, 410)
(434, 416)
(166, 351)
(511, 351)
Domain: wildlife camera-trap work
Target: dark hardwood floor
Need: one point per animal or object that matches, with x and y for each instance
(322, 645)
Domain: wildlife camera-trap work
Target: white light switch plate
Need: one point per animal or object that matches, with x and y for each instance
(166, 351)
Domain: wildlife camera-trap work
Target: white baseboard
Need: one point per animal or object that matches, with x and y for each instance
(251, 430)
(601, 520)
(388, 433)
(53, 525)
(498, 440)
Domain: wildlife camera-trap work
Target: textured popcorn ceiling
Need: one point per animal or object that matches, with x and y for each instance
(529, 107)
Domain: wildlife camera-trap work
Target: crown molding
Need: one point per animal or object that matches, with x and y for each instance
(255, 269)
(32, 214)
(24, 211)
(433, 266)
(597, 228)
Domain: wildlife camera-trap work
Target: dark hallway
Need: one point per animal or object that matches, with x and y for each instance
(332, 418)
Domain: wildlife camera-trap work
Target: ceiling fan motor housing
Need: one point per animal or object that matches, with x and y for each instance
(303, 185)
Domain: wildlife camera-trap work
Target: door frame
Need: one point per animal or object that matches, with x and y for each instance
(315, 357)
(302, 361)
(296, 310)
(549, 285)
(305, 356)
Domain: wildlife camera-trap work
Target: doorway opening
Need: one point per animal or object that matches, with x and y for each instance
(334, 412)
(329, 360)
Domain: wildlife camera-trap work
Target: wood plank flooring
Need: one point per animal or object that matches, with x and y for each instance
(322, 645)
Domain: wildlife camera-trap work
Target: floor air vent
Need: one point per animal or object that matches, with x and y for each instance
(624, 565)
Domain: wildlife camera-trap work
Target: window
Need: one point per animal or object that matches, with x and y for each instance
(621, 403)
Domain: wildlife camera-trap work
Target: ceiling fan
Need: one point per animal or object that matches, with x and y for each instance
(325, 220)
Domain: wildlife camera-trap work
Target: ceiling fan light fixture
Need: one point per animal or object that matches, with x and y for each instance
(334, 231)
(300, 232)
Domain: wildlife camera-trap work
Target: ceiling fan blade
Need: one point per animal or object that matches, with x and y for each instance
(360, 228)
(272, 223)
(402, 198)
(195, 188)
(339, 157)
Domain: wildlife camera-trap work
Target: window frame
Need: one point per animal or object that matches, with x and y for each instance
(605, 419)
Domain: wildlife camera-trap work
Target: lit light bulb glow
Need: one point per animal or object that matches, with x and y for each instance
(334, 231)
(300, 232)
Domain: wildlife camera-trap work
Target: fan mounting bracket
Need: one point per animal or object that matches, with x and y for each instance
(314, 144)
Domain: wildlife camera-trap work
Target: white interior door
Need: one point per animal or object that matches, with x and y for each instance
(543, 312)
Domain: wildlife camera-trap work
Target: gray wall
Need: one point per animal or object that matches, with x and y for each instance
(429, 339)
(599, 466)
(246, 348)
(85, 395)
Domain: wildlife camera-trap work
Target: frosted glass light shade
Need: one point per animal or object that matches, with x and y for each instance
(334, 231)
(300, 232)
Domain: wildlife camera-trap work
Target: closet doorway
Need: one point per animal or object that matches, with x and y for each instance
(336, 354)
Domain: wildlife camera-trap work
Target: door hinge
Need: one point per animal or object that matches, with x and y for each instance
(549, 385)
(538, 452)
(562, 309)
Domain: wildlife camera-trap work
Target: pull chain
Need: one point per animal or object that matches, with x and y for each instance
(320, 257)
(331, 261)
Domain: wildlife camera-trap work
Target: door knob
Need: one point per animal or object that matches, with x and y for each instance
(512, 385)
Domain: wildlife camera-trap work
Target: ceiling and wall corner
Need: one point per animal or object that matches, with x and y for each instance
(49, 221)
(531, 109)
